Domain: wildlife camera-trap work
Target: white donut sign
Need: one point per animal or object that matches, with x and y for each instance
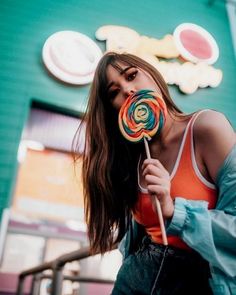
(71, 57)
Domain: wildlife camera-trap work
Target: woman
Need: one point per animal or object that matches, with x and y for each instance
(187, 156)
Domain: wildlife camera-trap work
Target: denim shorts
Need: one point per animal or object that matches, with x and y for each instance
(163, 270)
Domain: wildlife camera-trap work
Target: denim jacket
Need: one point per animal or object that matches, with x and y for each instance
(212, 233)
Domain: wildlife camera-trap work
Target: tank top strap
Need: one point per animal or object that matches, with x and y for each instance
(186, 158)
(194, 117)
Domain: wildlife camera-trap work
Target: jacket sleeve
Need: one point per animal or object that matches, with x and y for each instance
(212, 233)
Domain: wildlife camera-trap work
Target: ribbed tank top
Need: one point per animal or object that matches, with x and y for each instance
(186, 181)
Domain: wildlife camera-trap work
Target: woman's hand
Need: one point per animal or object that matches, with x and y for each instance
(158, 183)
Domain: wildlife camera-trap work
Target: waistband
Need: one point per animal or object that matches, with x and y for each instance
(160, 249)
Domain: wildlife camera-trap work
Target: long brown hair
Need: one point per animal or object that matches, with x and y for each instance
(109, 170)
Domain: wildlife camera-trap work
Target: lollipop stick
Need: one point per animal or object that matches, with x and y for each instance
(157, 202)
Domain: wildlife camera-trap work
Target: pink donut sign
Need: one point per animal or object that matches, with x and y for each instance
(196, 44)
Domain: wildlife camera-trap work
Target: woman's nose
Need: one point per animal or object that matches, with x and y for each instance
(128, 92)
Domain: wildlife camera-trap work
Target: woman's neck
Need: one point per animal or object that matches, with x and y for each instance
(173, 127)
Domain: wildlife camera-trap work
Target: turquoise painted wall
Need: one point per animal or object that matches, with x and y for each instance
(25, 25)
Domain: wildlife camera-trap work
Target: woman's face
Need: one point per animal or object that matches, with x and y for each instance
(129, 79)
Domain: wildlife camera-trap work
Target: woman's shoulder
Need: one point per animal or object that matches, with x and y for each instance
(213, 124)
(214, 138)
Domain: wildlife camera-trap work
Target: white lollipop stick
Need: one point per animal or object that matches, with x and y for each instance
(157, 202)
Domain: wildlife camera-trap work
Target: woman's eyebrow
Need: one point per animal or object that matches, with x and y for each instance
(126, 69)
(121, 73)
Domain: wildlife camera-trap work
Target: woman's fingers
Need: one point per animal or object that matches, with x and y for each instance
(157, 179)
(160, 190)
(152, 179)
(154, 168)
(154, 162)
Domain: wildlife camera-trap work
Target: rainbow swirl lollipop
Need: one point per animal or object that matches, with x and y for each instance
(142, 115)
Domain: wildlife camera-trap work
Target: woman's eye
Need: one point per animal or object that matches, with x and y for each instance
(132, 76)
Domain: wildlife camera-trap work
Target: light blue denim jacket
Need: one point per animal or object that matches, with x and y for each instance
(212, 233)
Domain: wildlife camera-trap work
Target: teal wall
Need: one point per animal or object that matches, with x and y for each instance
(25, 25)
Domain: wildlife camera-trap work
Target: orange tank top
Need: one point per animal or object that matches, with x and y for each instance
(186, 181)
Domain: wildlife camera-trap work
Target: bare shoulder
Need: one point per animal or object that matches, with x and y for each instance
(213, 125)
(214, 138)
